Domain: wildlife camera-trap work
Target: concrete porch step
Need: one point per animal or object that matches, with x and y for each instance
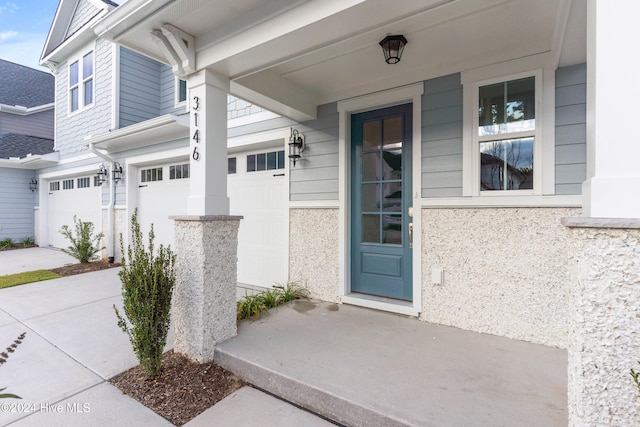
(362, 367)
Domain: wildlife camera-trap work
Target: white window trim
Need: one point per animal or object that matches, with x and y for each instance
(79, 59)
(540, 66)
(176, 94)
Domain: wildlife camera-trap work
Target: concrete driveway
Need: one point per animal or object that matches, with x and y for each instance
(19, 260)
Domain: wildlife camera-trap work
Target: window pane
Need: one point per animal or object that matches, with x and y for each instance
(370, 198)
(392, 193)
(261, 161)
(231, 165)
(73, 74)
(507, 107)
(392, 165)
(506, 164)
(281, 159)
(370, 166)
(251, 163)
(87, 65)
(392, 229)
(392, 132)
(371, 135)
(74, 99)
(185, 170)
(271, 160)
(371, 228)
(182, 90)
(172, 172)
(88, 92)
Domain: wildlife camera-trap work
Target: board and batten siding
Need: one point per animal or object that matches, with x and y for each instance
(16, 204)
(315, 176)
(36, 124)
(442, 137)
(140, 81)
(571, 129)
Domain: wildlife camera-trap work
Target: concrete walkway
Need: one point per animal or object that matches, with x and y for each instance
(73, 346)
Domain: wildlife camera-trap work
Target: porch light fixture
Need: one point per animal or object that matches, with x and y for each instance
(392, 46)
(296, 145)
(117, 172)
(102, 174)
(33, 184)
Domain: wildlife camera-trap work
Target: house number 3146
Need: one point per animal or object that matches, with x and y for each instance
(196, 126)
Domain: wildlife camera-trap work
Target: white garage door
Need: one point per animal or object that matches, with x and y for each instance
(68, 198)
(258, 194)
(162, 192)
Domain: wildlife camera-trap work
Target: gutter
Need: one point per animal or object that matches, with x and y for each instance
(110, 207)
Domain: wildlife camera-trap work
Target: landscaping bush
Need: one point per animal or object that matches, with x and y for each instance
(84, 245)
(28, 241)
(147, 285)
(6, 243)
(254, 306)
(3, 359)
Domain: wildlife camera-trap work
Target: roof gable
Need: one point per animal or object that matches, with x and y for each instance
(72, 18)
(25, 87)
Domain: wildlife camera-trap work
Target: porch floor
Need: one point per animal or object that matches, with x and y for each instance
(361, 367)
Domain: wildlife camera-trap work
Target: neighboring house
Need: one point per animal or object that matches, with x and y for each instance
(433, 187)
(26, 141)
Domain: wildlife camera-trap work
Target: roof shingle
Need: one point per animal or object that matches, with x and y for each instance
(16, 145)
(24, 86)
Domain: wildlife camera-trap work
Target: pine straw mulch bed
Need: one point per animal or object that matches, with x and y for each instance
(183, 389)
(86, 267)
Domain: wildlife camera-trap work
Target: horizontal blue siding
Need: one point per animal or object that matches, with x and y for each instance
(16, 204)
(139, 88)
(571, 129)
(442, 137)
(315, 177)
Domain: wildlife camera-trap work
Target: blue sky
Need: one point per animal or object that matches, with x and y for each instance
(24, 25)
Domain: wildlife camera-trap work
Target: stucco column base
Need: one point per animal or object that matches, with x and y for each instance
(204, 298)
(604, 337)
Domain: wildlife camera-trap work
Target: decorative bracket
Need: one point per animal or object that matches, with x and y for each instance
(178, 48)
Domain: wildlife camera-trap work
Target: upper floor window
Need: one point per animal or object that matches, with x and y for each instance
(81, 82)
(181, 91)
(506, 134)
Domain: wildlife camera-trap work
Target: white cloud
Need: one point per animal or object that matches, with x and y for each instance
(25, 50)
(8, 7)
(7, 35)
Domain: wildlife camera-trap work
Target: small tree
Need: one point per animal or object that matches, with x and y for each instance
(84, 245)
(147, 284)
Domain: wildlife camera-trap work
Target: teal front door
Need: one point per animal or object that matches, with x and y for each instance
(380, 201)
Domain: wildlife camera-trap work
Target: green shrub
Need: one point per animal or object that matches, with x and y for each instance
(84, 245)
(6, 243)
(3, 359)
(28, 241)
(147, 284)
(254, 306)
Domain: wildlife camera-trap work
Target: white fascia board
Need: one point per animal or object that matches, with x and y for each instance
(25, 111)
(73, 43)
(34, 161)
(127, 16)
(150, 132)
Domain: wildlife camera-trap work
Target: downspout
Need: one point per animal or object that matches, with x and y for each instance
(110, 207)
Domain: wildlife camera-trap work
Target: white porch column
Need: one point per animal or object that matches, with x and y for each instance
(206, 239)
(613, 88)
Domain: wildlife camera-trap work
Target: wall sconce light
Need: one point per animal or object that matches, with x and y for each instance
(102, 174)
(296, 145)
(33, 184)
(392, 46)
(117, 172)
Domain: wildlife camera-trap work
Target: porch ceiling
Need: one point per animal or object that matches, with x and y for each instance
(291, 55)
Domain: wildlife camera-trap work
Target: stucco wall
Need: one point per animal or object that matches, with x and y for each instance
(505, 271)
(313, 251)
(604, 326)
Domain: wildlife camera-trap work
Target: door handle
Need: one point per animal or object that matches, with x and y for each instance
(411, 235)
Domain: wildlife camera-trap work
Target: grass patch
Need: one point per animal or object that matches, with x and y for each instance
(254, 306)
(27, 277)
